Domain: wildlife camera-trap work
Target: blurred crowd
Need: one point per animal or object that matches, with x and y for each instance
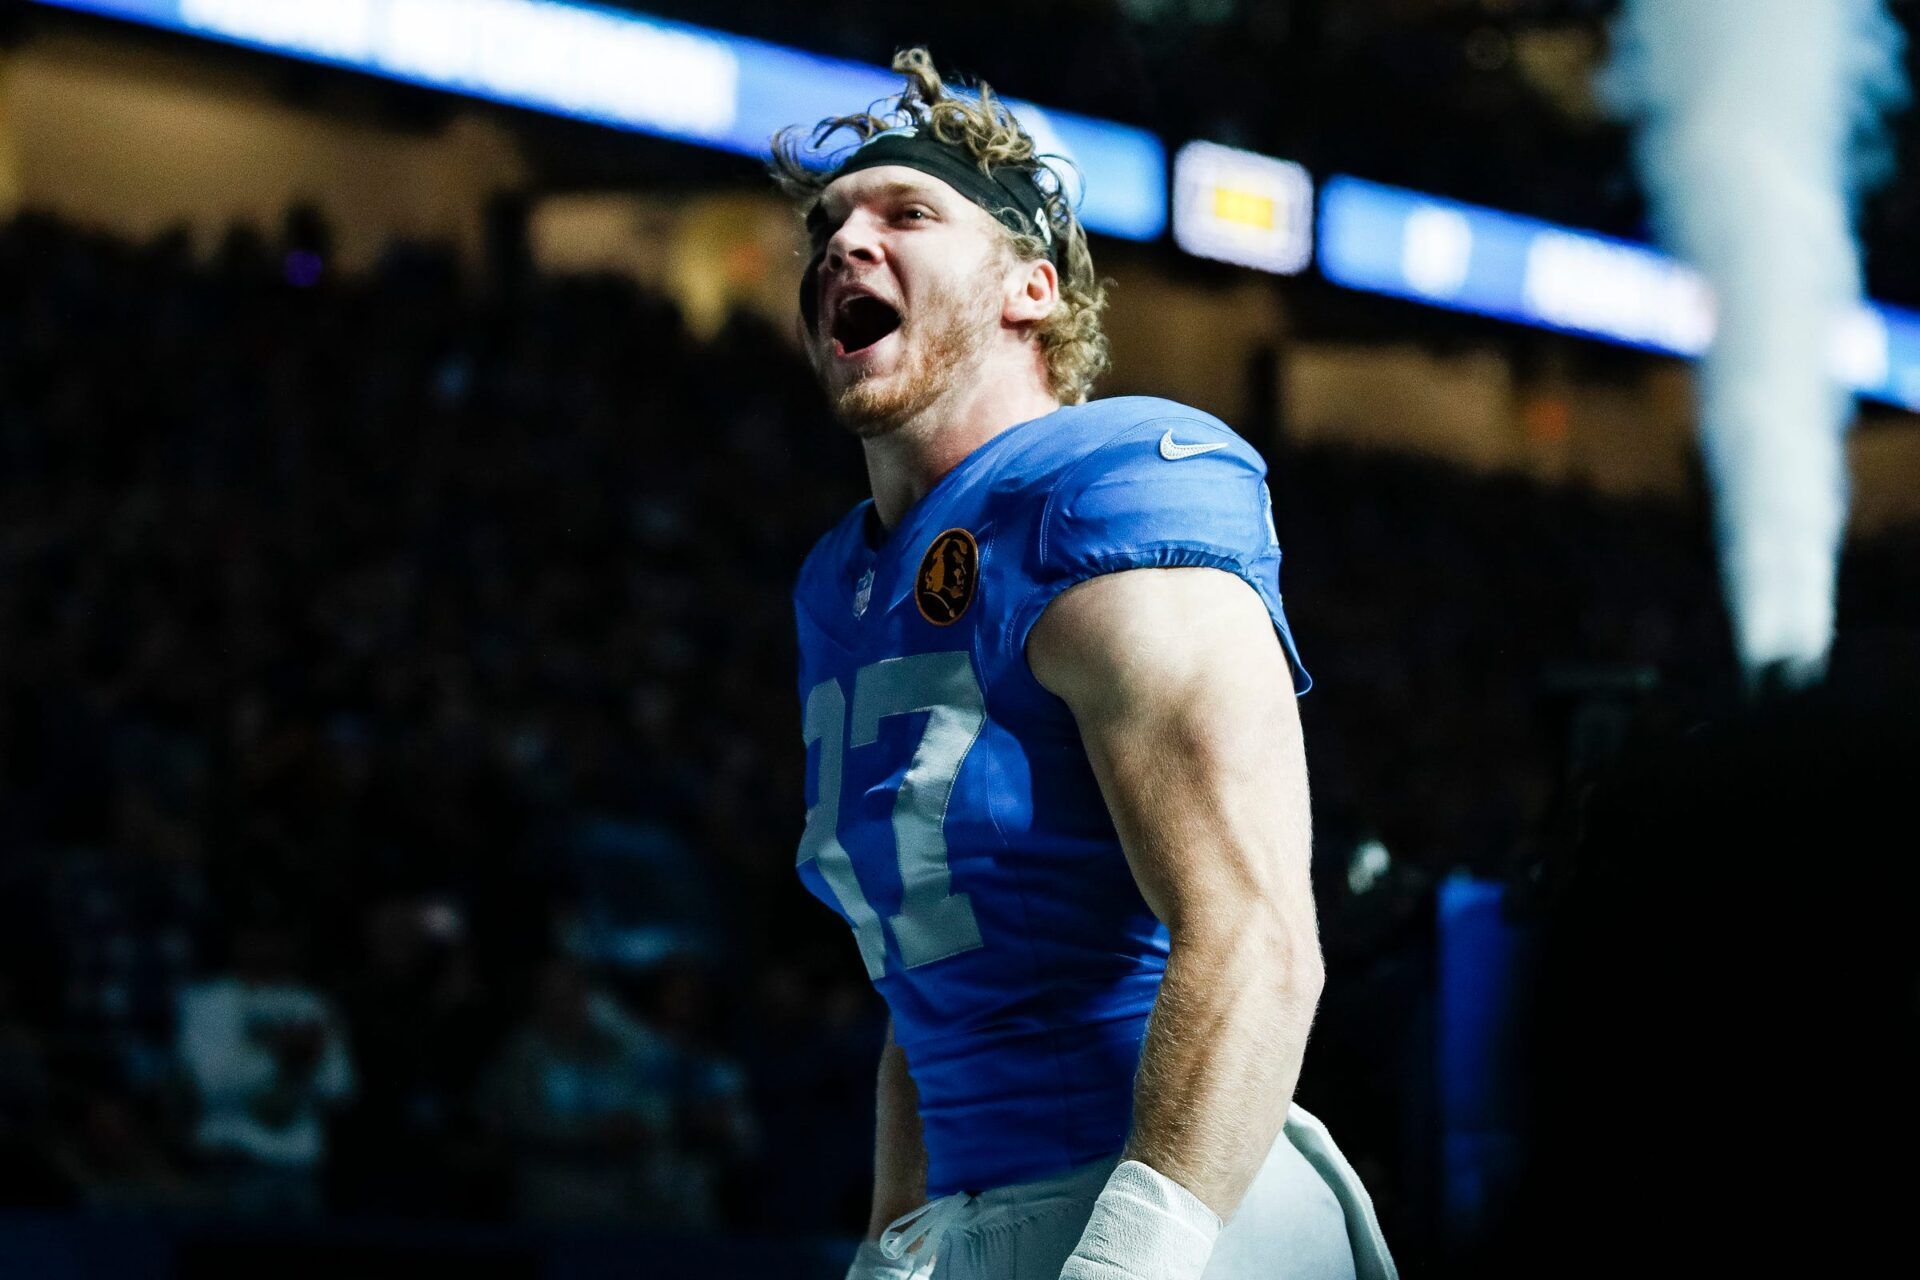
(376, 659)
(399, 754)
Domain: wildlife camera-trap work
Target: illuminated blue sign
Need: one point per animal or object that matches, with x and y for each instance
(1878, 354)
(618, 69)
(1386, 240)
(1460, 256)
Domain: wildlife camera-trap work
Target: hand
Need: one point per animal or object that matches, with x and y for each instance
(1145, 1226)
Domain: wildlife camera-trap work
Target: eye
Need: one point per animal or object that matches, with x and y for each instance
(913, 211)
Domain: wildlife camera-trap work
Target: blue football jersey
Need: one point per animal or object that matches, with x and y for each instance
(953, 819)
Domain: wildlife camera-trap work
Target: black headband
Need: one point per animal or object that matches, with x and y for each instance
(1010, 194)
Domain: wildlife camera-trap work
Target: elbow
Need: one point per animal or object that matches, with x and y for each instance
(1292, 944)
(1274, 949)
(1289, 926)
(1306, 973)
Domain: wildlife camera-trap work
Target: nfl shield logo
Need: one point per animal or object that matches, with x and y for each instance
(863, 594)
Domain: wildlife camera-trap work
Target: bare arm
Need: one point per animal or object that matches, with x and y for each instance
(1183, 699)
(899, 1151)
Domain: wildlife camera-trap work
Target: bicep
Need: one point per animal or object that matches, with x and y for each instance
(1185, 704)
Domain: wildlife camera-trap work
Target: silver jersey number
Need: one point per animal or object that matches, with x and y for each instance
(933, 921)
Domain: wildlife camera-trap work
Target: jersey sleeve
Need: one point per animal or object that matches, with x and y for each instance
(1164, 494)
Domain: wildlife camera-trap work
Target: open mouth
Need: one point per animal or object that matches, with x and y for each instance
(862, 321)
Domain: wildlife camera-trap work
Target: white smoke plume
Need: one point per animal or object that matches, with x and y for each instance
(1757, 128)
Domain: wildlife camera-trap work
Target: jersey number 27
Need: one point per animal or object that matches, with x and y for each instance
(933, 922)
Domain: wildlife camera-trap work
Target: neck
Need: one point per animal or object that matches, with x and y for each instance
(905, 463)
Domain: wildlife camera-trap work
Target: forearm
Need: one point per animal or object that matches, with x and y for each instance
(1222, 1056)
(899, 1150)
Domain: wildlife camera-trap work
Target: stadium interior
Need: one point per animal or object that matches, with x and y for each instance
(402, 496)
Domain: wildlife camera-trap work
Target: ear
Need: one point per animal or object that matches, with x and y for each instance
(1033, 291)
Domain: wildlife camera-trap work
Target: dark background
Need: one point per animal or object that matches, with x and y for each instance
(351, 636)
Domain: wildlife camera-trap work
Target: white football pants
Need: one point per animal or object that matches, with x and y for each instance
(1305, 1217)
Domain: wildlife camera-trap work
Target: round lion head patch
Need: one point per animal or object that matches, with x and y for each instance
(948, 576)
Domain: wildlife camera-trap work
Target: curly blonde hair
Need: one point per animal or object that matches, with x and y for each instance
(1071, 337)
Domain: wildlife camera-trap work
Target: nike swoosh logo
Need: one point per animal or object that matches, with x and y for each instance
(1172, 450)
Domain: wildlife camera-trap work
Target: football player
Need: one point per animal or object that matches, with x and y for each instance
(1056, 782)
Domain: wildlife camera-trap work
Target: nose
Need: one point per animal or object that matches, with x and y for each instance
(856, 239)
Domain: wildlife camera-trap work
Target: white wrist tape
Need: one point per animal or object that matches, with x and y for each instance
(871, 1264)
(1144, 1227)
